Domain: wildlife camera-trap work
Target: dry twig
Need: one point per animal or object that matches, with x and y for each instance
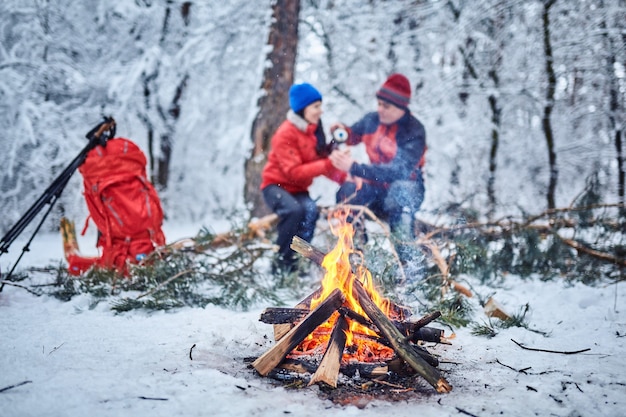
(551, 351)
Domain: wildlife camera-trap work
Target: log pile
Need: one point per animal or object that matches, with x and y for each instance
(402, 336)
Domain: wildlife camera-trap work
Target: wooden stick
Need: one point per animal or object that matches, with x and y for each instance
(328, 371)
(268, 361)
(426, 319)
(414, 330)
(353, 315)
(305, 249)
(423, 353)
(402, 347)
(571, 352)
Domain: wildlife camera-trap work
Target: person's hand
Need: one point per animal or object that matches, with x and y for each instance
(341, 159)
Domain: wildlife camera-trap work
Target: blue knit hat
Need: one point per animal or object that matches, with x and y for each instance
(301, 95)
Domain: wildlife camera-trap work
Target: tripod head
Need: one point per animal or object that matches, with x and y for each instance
(101, 133)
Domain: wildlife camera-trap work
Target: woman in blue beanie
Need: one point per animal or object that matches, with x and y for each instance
(297, 155)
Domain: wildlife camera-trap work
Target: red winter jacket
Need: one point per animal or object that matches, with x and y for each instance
(293, 162)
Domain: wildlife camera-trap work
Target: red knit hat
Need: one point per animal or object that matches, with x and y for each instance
(396, 90)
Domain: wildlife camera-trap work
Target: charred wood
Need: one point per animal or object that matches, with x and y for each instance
(427, 319)
(402, 347)
(268, 361)
(281, 315)
(427, 334)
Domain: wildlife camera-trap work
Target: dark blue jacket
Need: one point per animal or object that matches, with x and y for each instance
(396, 151)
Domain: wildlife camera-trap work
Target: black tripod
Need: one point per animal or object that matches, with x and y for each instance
(99, 135)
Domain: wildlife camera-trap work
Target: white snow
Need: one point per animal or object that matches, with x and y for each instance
(76, 361)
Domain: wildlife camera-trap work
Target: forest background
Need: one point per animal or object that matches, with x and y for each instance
(523, 101)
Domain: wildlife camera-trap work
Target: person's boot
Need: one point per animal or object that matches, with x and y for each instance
(283, 265)
(412, 261)
(360, 233)
(411, 258)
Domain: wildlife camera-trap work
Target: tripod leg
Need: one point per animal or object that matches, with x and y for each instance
(27, 246)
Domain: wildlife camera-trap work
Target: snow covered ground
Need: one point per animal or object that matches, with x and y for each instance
(64, 359)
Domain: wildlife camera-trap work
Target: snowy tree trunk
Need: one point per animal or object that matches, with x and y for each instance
(615, 110)
(273, 105)
(171, 116)
(547, 111)
(494, 104)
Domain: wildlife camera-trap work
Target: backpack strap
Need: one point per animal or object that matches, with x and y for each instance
(85, 226)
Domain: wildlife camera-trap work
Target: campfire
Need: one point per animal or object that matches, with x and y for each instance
(348, 324)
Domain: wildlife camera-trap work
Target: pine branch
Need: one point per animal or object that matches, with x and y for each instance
(164, 283)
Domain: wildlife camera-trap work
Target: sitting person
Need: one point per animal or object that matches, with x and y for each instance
(391, 185)
(297, 155)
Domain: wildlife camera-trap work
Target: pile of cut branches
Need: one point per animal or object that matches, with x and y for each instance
(231, 269)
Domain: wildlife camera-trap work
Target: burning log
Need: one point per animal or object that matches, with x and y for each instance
(353, 315)
(307, 250)
(398, 341)
(328, 371)
(268, 361)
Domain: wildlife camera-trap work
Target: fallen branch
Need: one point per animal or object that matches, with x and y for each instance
(55, 349)
(551, 351)
(592, 252)
(256, 229)
(523, 370)
(467, 413)
(5, 282)
(15, 386)
(508, 224)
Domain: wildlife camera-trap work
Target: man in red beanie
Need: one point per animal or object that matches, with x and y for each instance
(391, 185)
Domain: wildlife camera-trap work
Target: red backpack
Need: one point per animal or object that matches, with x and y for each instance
(122, 203)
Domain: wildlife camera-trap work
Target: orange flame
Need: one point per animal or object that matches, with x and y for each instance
(340, 274)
